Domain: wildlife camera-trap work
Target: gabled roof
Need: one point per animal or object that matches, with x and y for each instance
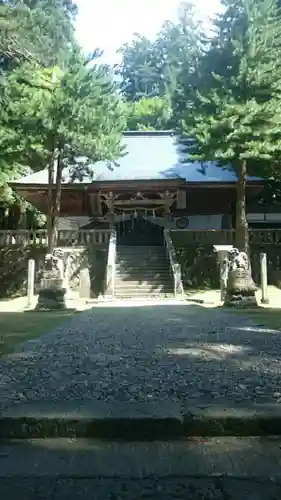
(148, 155)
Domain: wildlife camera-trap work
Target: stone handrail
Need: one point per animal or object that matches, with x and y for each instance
(184, 237)
(66, 238)
(181, 237)
(83, 237)
(203, 236)
(23, 237)
(111, 265)
(174, 265)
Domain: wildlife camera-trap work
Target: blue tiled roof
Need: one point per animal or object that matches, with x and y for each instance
(149, 156)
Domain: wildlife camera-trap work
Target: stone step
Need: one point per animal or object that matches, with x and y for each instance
(136, 274)
(143, 250)
(152, 256)
(139, 420)
(162, 266)
(138, 284)
(143, 264)
(140, 277)
(143, 294)
(141, 284)
(142, 254)
(141, 274)
(141, 261)
(138, 291)
(151, 270)
(140, 247)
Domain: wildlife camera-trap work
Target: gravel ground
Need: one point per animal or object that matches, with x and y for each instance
(176, 353)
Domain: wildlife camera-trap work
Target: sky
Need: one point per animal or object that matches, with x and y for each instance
(107, 24)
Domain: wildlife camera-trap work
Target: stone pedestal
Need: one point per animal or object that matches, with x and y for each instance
(52, 293)
(241, 289)
(84, 284)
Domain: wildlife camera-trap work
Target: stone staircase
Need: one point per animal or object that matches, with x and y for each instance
(142, 271)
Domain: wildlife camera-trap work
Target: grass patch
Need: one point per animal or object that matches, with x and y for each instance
(16, 328)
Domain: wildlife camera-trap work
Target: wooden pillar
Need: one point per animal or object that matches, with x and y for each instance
(181, 199)
(95, 203)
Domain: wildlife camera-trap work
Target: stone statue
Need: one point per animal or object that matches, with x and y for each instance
(52, 290)
(240, 289)
(238, 260)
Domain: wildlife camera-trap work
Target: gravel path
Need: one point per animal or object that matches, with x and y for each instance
(176, 353)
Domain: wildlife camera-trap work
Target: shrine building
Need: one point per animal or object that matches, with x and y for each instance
(153, 184)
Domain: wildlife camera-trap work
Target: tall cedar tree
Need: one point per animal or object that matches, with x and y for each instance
(232, 106)
(151, 68)
(70, 118)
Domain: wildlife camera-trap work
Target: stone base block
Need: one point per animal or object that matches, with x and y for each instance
(241, 300)
(51, 299)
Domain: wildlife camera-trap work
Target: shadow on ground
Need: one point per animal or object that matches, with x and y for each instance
(18, 327)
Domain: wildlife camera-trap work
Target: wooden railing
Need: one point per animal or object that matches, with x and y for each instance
(66, 238)
(265, 236)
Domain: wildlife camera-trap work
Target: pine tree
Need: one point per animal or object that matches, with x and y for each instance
(70, 119)
(40, 30)
(233, 104)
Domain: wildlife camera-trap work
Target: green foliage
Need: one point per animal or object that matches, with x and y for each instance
(238, 88)
(232, 101)
(151, 68)
(138, 70)
(67, 118)
(149, 113)
(39, 30)
(13, 266)
(75, 112)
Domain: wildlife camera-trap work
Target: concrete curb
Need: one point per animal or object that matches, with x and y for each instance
(240, 421)
(106, 423)
(129, 429)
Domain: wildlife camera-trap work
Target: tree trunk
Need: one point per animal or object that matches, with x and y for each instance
(57, 198)
(242, 232)
(54, 200)
(50, 225)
